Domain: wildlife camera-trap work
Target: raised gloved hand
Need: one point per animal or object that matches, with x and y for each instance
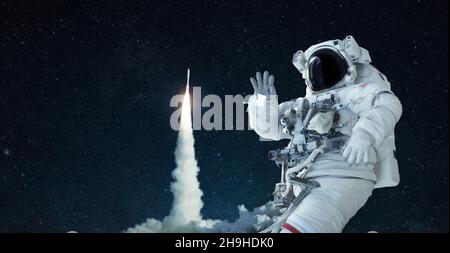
(263, 84)
(358, 147)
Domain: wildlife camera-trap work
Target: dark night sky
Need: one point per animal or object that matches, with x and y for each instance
(85, 87)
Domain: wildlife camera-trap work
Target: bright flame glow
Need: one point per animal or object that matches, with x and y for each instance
(185, 121)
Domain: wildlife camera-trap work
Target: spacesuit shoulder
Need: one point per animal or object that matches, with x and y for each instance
(371, 80)
(370, 87)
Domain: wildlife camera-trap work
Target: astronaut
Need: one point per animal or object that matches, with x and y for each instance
(364, 113)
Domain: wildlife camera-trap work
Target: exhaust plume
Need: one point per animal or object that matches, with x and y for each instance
(186, 188)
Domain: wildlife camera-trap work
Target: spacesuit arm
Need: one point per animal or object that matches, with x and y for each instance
(264, 116)
(380, 119)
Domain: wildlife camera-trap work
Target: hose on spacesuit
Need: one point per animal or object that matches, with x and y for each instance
(276, 226)
(302, 168)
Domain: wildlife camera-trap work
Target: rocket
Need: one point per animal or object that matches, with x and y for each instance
(187, 83)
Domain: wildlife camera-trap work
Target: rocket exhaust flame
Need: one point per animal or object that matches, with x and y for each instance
(186, 120)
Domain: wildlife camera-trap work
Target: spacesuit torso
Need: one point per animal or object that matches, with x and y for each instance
(371, 90)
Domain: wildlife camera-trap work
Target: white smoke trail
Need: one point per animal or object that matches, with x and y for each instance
(186, 188)
(185, 215)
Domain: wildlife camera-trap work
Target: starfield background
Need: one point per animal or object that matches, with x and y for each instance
(85, 137)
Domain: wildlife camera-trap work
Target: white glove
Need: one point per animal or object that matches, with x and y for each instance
(263, 84)
(358, 147)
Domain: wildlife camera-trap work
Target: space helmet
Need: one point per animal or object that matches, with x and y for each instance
(325, 64)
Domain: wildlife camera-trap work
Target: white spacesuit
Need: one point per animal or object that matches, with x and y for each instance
(363, 110)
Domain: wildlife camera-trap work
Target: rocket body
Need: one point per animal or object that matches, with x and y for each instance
(187, 83)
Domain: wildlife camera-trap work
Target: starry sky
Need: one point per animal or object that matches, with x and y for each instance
(85, 86)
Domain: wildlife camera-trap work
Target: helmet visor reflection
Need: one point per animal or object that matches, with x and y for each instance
(326, 68)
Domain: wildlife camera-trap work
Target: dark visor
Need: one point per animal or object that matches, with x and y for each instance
(326, 68)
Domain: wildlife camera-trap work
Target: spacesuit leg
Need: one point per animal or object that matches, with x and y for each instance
(328, 208)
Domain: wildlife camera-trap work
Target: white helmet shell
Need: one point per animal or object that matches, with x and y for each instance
(347, 53)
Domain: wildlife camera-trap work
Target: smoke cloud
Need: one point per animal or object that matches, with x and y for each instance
(248, 222)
